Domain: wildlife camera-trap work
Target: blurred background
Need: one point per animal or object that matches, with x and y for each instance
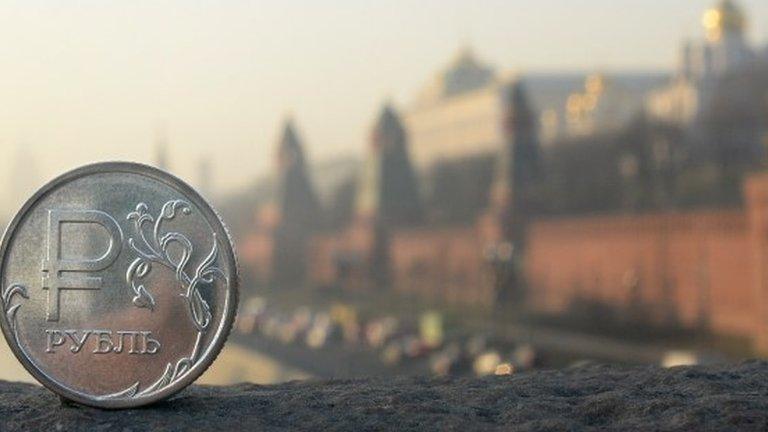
(430, 187)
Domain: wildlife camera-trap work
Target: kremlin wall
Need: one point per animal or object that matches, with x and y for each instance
(665, 263)
(695, 270)
(701, 270)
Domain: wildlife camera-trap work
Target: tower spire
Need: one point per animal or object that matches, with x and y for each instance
(297, 207)
(389, 190)
(161, 146)
(519, 163)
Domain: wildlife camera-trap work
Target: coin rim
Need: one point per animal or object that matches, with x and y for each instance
(228, 317)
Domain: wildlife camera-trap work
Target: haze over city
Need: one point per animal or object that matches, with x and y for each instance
(439, 188)
(98, 81)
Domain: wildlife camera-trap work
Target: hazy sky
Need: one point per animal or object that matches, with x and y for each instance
(82, 81)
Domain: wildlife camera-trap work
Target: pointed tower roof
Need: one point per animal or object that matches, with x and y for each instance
(388, 132)
(518, 165)
(388, 188)
(519, 112)
(161, 146)
(296, 196)
(289, 148)
(518, 162)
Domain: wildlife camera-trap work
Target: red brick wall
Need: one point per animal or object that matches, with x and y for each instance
(701, 268)
(697, 266)
(756, 193)
(441, 263)
(255, 250)
(255, 255)
(355, 243)
(436, 263)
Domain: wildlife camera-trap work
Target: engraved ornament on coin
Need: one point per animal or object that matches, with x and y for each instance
(119, 285)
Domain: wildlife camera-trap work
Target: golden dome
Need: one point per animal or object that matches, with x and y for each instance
(595, 83)
(726, 17)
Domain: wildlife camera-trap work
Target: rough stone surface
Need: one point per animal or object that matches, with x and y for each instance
(587, 398)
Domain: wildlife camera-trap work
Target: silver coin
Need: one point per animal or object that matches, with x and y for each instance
(119, 285)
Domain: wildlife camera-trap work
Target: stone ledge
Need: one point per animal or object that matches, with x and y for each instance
(588, 398)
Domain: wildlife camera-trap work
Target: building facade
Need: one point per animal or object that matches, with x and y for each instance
(444, 204)
(723, 51)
